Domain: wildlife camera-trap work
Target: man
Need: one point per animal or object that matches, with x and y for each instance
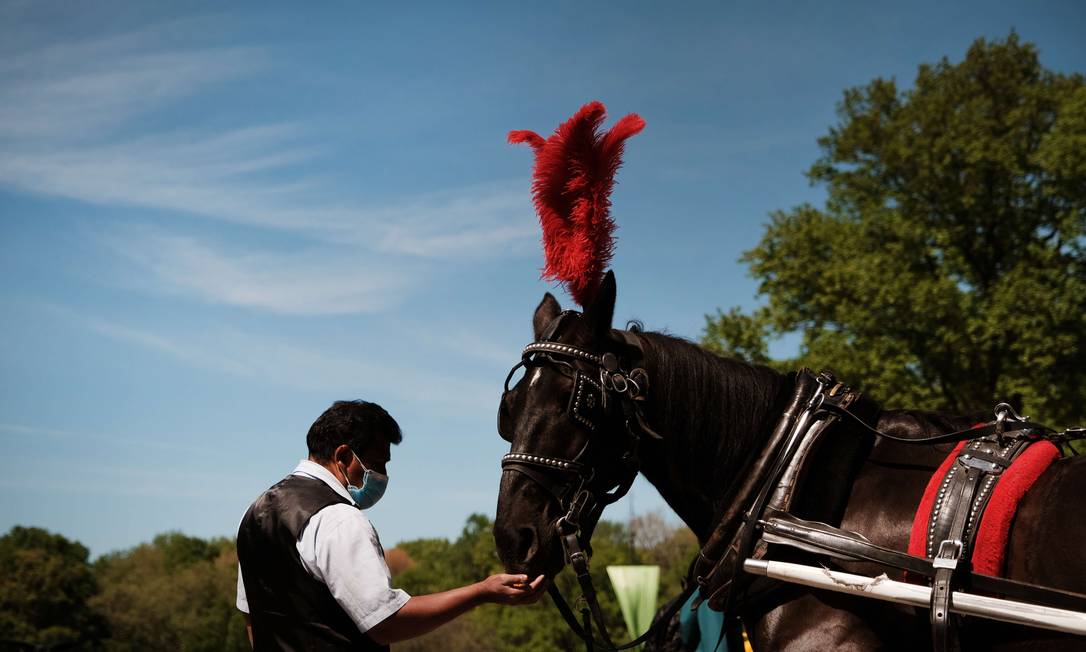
(312, 571)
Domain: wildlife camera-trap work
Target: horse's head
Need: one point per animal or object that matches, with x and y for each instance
(564, 419)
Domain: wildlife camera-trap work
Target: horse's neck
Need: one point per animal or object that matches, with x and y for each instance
(712, 414)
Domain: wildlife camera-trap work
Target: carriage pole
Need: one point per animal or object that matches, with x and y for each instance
(883, 588)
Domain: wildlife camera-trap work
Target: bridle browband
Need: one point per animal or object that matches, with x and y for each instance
(595, 395)
(562, 349)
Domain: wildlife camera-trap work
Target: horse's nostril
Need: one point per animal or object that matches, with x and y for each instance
(526, 543)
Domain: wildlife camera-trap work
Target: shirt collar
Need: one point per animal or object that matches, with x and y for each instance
(313, 470)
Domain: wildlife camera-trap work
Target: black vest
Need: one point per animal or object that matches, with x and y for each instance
(289, 609)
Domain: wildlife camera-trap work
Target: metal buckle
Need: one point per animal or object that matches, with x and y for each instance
(950, 551)
(982, 465)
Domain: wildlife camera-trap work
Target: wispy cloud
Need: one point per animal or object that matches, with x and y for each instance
(457, 340)
(102, 479)
(325, 280)
(40, 432)
(345, 372)
(194, 356)
(32, 431)
(69, 127)
(283, 363)
(75, 91)
(214, 175)
(224, 177)
(467, 222)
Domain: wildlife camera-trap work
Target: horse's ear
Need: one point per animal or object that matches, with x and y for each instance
(602, 310)
(545, 313)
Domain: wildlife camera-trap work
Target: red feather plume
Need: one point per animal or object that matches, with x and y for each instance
(571, 187)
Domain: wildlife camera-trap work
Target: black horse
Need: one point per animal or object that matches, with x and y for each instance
(712, 414)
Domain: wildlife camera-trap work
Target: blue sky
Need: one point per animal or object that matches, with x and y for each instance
(216, 219)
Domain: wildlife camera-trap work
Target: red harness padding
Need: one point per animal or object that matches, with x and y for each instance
(995, 525)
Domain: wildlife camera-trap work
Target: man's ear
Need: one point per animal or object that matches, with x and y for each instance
(602, 310)
(545, 313)
(342, 455)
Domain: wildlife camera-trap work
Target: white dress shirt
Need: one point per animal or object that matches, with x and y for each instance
(340, 548)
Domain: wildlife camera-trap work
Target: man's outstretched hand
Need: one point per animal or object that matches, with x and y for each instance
(423, 613)
(512, 589)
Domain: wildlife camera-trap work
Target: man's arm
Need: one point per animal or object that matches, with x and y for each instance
(425, 613)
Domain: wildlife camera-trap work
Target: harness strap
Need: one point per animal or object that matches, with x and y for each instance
(753, 476)
(997, 428)
(944, 638)
(548, 463)
(955, 517)
(556, 486)
(743, 544)
(562, 349)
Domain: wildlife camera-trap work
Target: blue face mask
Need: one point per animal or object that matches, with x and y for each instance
(373, 487)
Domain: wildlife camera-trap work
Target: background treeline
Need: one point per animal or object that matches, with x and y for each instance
(177, 592)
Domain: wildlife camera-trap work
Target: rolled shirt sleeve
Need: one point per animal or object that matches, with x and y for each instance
(242, 602)
(340, 547)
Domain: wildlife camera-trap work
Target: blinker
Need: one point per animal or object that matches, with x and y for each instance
(586, 403)
(505, 429)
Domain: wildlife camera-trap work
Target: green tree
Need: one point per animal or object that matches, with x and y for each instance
(662, 544)
(45, 584)
(176, 593)
(947, 268)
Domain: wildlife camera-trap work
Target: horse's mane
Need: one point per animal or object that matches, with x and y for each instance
(747, 393)
(744, 397)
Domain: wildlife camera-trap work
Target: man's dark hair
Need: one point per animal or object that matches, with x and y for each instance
(355, 423)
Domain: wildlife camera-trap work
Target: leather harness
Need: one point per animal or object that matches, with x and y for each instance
(955, 518)
(758, 510)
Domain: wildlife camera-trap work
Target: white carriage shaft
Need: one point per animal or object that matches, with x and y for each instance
(884, 588)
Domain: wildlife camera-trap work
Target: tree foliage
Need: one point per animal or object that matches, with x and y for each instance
(175, 593)
(178, 592)
(45, 584)
(947, 268)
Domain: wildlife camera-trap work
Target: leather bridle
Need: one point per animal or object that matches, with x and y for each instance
(604, 398)
(596, 391)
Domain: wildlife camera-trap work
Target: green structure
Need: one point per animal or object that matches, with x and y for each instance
(636, 588)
